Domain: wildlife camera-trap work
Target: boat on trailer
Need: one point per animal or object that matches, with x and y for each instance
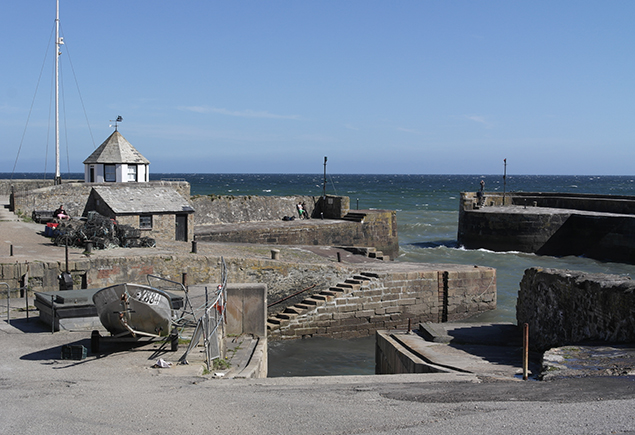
(134, 310)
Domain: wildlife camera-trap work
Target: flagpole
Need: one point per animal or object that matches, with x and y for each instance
(58, 42)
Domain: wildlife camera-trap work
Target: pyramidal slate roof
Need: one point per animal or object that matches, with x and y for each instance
(116, 149)
(136, 199)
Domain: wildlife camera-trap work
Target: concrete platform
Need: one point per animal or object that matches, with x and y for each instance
(486, 350)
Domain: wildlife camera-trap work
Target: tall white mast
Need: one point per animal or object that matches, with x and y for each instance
(58, 41)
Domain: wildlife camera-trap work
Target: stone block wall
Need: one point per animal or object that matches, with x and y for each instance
(7, 187)
(388, 300)
(74, 195)
(212, 209)
(566, 307)
(281, 278)
(379, 230)
(163, 225)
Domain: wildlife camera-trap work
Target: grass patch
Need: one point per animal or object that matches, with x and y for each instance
(221, 364)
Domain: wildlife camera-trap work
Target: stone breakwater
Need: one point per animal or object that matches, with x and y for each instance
(565, 307)
(595, 226)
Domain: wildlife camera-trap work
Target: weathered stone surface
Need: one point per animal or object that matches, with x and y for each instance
(74, 195)
(566, 307)
(596, 226)
(383, 303)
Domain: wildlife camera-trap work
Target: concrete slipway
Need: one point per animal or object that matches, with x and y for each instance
(121, 393)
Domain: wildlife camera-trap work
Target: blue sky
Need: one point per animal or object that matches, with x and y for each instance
(421, 87)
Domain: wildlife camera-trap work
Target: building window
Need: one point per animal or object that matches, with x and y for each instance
(110, 173)
(145, 222)
(132, 172)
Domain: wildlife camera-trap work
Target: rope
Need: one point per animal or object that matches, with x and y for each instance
(32, 103)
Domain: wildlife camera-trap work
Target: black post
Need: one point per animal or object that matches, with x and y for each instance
(324, 189)
(504, 180)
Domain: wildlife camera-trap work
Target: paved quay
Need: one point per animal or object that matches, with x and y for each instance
(120, 392)
(22, 241)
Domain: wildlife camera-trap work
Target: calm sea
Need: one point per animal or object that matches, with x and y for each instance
(427, 218)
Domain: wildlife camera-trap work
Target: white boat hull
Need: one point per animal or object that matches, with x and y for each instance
(134, 309)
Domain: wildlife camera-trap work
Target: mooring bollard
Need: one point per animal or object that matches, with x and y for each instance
(89, 247)
(194, 247)
(275, 254)
(11, 251)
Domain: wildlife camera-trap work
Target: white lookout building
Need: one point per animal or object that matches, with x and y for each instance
(116, 161)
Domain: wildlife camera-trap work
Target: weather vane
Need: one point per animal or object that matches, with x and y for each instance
(116, 121)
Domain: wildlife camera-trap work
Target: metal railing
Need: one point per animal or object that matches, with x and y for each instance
(19, 291)
(175, 286)
(8, 301)
(211, 326)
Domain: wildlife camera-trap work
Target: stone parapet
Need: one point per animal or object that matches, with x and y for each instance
(565, 307)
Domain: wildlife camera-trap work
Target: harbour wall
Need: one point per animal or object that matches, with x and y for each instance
(394, 294)
(7, 187)
(387, 298)
(73, 195)
(596, 226)
(565, 307)
(229, 209)
(281, 278)
(378, 230)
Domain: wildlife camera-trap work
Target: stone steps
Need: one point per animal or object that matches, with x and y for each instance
(370, 252)
(354, 216)
(319, 299)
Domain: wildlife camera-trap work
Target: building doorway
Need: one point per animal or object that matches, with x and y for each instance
(181, 228)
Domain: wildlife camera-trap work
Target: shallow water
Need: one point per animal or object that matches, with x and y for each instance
(320, 356)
